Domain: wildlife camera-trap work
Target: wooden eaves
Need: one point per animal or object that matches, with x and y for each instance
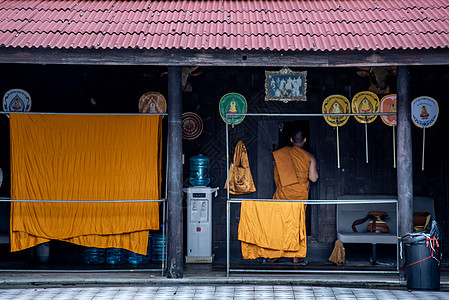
(211, 58)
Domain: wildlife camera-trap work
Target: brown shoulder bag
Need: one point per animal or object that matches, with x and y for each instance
(376, 223)
(240, 178)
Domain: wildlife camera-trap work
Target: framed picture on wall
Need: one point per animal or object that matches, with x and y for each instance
(285, 85)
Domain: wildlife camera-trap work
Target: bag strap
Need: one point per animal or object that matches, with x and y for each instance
(373, 225)
(239, 149)
(359, 221)
(236, 150)
(244, 162)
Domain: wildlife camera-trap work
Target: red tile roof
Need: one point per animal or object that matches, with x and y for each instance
(318, 25)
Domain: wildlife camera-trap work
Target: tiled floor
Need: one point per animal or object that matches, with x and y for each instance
(240, 292)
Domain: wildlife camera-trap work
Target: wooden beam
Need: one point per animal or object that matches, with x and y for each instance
(404, 155)
(225, 58)
(175, 196)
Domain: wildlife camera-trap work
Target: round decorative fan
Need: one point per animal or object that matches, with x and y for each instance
(192, 126)
(152, 102)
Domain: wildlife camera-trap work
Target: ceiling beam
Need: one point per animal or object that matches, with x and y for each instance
(224, 58)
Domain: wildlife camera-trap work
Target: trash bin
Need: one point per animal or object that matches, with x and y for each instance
(422, 259)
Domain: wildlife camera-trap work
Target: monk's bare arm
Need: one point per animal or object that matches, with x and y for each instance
(313, 172)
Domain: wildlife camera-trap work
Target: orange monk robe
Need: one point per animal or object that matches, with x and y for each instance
(82, 158)
(278, 229)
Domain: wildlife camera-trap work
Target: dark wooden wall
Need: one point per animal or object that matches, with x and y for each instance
(261, 136)
(118, 89)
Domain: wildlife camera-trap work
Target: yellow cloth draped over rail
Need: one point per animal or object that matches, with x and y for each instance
(85, 157)
(278, 229)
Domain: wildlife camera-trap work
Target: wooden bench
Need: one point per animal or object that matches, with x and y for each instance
(348, 213)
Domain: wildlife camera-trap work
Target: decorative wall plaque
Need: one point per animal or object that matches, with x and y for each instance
(336, 104)
(388, 105)
(424, 111)
(230, 104)
(152, 102)
(192, 126)
(16, 100)
(365, 103)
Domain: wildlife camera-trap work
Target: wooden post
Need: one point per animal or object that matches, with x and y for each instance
(175, 216)
(404, 155)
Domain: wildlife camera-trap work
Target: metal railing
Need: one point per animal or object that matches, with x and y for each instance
(163, 200)
(164, 218)
(313, 202)
(81, 114)
(229, 200)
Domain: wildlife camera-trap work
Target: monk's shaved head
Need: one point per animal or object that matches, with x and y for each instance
(297, 136)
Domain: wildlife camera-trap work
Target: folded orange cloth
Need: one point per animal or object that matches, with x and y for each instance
(278, 229)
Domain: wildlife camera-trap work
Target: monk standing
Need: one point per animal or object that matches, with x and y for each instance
(293, 169)
(278, 229)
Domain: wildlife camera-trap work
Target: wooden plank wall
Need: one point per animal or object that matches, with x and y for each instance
(355, 176)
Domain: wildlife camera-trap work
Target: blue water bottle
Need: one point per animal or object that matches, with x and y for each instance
(93, 256)
(199, 170)
(158, 246)
(137, 259)
(116, 256)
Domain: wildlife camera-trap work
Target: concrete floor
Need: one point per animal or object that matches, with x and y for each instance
(210, 281)
(215, 274)
(357, 279)
(241, 292)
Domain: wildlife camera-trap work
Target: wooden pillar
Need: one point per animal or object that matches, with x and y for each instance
(404, 154)
(175, 216)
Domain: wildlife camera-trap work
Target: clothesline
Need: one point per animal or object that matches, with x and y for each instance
(94, 114)
(317, 201)
(311, 114)
(233, 114)
(81, 201)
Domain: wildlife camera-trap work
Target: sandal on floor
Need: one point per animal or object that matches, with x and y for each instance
(303, 262)
(270, 260)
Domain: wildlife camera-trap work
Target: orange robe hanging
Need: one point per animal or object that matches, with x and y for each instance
(278, 229)
(82, 158)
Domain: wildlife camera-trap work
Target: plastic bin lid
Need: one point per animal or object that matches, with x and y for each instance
(419, 236)
(415, 237)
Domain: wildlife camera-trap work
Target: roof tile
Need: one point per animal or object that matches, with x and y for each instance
(321, 25)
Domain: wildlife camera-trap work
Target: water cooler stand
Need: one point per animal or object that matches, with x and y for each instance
(199, 224)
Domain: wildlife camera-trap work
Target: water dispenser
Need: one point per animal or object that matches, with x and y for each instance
(199, 224)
